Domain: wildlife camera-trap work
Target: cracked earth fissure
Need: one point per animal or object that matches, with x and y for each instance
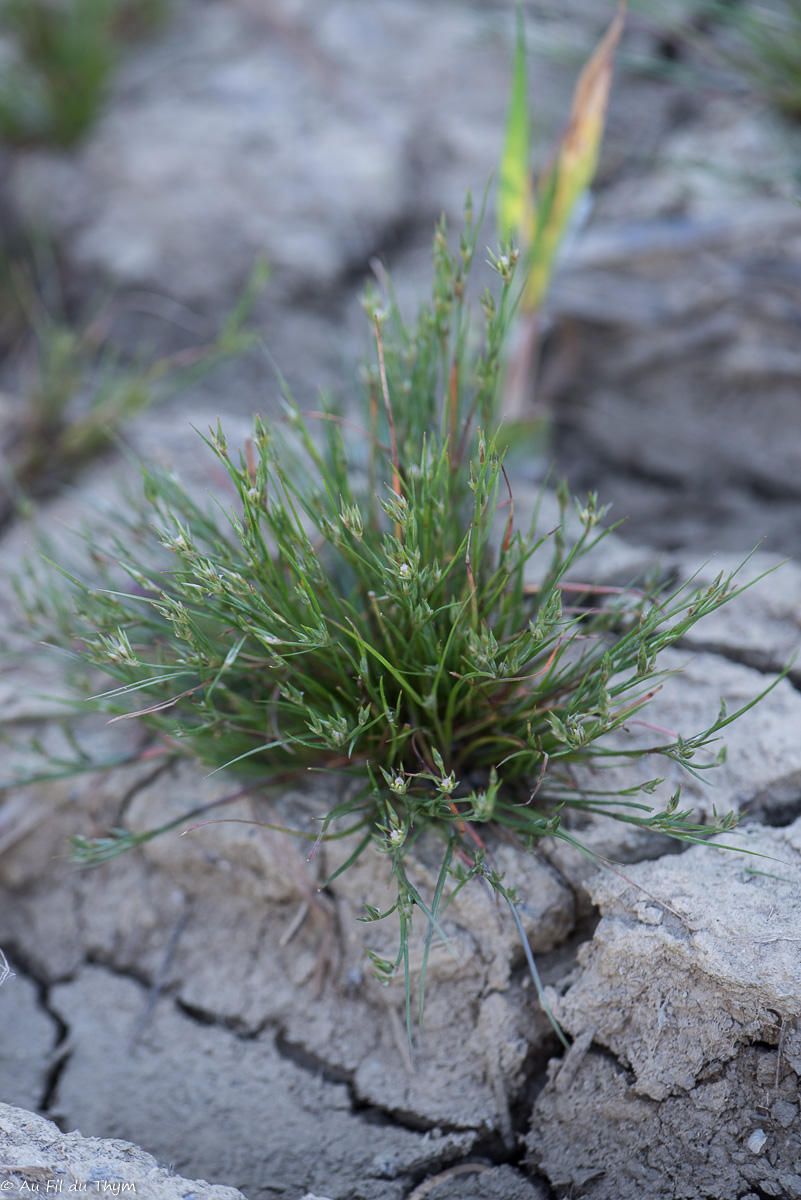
(164, 992)
(133, 791)
(490, 1150)
(60, 1052)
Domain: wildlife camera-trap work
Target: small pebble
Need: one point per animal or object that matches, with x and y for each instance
(649, 914)
(757, 1141)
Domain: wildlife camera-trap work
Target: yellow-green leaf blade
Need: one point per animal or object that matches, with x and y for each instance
(515, 198)
(576, 158)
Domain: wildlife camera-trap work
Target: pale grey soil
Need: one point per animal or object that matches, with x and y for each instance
(182, 997)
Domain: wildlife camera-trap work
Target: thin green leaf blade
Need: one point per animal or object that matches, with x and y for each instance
(515, 195)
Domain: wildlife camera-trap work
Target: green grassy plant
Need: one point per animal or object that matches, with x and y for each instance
(74, 393)
(763, 44)
(64, 54)
(360, 600)
(751, 43)
(362, 603)
(540, 216)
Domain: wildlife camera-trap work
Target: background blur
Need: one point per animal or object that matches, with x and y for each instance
(152, 151)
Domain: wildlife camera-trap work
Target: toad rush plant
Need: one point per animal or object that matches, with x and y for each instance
(361, 602)
(364, 606)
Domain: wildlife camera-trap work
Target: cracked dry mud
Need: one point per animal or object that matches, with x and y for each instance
(200, 997)
(240, 1042)
(164, 1002)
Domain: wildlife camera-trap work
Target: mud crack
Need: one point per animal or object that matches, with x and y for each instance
(376, 1115)
(139, 785)
(61, 1050)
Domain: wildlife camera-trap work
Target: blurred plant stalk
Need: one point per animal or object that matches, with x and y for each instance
(74, 395)
(62, 58)
(534, 221)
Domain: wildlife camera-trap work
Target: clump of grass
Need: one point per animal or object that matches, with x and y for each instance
(362, 602)
(750, 43)
(763, 44)
(365, 604)
(74, 393)
(63, 54)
